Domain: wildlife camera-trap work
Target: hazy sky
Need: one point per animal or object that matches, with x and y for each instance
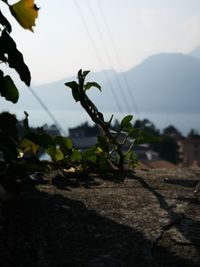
(101, 34)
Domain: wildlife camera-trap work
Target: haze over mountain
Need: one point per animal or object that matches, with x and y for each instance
(168, 82)
(195, 52)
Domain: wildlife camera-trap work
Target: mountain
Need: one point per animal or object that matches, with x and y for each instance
(168, 82)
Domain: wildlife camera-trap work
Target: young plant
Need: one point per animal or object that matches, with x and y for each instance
(113, 148)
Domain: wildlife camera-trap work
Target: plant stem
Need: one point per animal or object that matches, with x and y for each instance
(97, 118)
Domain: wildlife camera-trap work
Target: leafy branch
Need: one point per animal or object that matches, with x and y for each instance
(112, 143)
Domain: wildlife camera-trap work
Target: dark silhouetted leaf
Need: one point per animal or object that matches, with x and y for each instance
(13, 57)
(134, 133)
(9, 90)
(8, 125)
(102, 143)
(43, 140)
(8, 147)
(73, 85)
(75, 90)
(92, 84)
(145, 138)
(85, 73)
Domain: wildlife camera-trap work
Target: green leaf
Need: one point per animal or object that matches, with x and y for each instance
(27, 145)
(58, 154)
(131, 158)
(92, 84)
(51, 150)
(65, 143)
(126, 122)
(9, 90)
(76, 156)
(55, 153)
(68, 143)
(90, 155)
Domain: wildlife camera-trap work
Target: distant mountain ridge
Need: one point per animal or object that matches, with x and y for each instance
(168, 82)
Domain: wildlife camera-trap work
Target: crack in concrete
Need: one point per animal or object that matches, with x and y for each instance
(164, 229)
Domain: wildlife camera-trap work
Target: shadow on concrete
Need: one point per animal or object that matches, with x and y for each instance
(186, 226)
(183, 182)
(44, 230)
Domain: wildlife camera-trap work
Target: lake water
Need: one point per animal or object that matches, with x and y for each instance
(69, 118)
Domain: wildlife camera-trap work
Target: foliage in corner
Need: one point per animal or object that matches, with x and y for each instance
(25, 12)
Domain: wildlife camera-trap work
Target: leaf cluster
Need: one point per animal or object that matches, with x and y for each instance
(114, 148)
(25, 12)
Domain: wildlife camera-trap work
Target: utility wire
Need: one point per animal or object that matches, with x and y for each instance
(47, 110)
(117, 56)
(107, 53)
(97, 54)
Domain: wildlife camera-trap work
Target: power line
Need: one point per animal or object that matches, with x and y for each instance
(47, 110)
(117, 56)
(107, 53)
(97, 55)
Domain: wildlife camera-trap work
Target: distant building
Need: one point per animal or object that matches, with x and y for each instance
(52, 130)
(84, 130)
(145, 153)
(84, 136)
(190, 151)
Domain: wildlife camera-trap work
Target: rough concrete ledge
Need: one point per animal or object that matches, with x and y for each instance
(149, 218)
